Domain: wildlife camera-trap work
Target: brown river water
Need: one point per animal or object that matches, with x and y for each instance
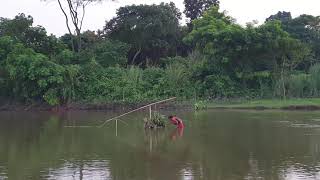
(214, 145)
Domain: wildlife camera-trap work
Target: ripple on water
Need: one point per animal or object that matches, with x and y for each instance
(305, 125)
(296, 174)
(187, 174)
(95, 170)
(3, 172)
(298, 171)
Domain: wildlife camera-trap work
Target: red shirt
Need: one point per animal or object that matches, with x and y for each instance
(176, 121)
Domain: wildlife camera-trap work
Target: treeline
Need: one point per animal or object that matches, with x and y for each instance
(144, 53)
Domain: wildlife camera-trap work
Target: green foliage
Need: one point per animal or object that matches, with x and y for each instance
(157, 119)
(280, 16)
(51, 97)
(298, 85)
(6, 45)
(200, 105)
(304, 28)
(21, 30)
(16, 27)
(70, 84)
(177, 80)
(93, 82)
(134, 84)
(111, 53)
(151, 30)
(65, 57)
(195, 8)
(208, 28)
(259, 81)
(136, 58)
(315, 79)
(153, 82)
(218, 86)
(32, 74)
(107, 53)
(235, 54)
(132, 89)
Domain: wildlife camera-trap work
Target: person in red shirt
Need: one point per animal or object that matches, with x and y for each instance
(176, 121)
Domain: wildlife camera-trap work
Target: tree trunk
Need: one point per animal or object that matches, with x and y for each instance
(79, 41)
(283, 85)
(67, 23)
(136, 55)
(282, 77)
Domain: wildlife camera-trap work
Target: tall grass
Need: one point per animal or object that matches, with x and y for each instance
(315, 79)
(132, 89)
(179, 78)
(175, 78)
(298, 85)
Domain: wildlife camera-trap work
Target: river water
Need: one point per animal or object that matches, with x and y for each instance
(214, 145)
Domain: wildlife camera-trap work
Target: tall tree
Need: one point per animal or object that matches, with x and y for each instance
(15, 27)
(195, 8)
(74, 11)
(151, 30)
(20, 29)
(306, 28)
(280, 16)
(234, 51)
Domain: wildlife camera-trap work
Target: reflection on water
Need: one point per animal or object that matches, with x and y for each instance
(176, 133)
(214, 145)
(96, 169)
(299, 171)
(3, 172)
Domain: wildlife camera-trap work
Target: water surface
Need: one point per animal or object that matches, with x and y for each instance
(215, 145)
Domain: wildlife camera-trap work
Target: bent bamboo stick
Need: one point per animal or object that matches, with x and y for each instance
(149, 105)
(117, 117)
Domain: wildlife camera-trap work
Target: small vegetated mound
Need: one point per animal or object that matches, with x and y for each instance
(157, 121)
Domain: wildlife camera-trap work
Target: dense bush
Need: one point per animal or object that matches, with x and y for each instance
(33, 76)
(134, 84)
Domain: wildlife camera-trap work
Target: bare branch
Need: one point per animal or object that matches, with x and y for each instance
(71, 11)
(67, 23)
(83, 14)
(66, 16)
(76, 15)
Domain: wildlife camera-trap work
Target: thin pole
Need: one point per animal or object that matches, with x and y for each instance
(150, 112)
(150, 145)
(116, 127)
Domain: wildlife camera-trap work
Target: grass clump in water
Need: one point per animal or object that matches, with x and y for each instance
(157, 121)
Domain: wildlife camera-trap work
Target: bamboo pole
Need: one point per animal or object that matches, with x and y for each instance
(135, 111)
(117, 117)
(116, 127)
(150, 113)
(93, 126)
